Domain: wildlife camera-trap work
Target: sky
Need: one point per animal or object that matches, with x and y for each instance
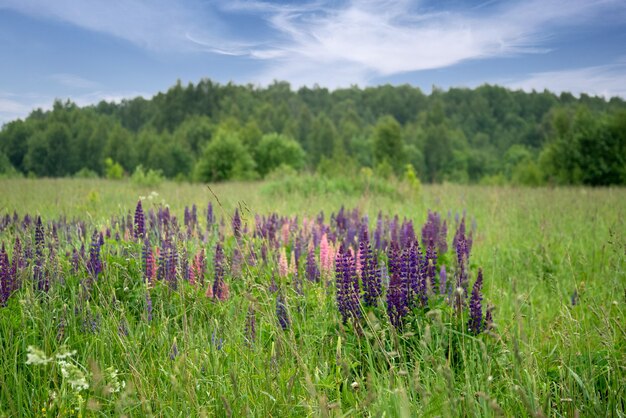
(93, 50)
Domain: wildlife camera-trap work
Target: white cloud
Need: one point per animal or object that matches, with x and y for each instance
(151, 24)
(602, 80)
(74, 81)
(365, 39)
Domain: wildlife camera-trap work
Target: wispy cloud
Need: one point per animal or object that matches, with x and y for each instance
(152, 24)
(364, 39)
(601, 80)
(74, 81)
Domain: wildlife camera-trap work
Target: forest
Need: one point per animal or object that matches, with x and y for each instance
(215, 132)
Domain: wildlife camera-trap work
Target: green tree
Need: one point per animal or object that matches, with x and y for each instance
(275, 150)
(388, 144)
(225, 158)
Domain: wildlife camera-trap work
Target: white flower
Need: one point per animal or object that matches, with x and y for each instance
(63, 356)
(75, 377)
(36, 356)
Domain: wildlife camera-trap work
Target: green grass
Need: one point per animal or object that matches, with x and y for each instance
(536, 246)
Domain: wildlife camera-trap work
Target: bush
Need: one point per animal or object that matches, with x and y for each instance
(150, 178)
(275, 150)
(113, 170)
(85, 173)
(225, 158)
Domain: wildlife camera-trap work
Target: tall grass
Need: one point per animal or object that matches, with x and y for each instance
(541, 250)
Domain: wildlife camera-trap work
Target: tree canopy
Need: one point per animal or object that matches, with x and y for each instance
(212, 132)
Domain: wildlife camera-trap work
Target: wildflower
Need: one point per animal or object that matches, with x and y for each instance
(6, 281)
(442, 280)
(370, 274)
(94, 265)
(281, 312)
(140, 229)
(312, 272)
(236, 224)
(36, 356)
(347, 286)
(476, 310)
(114, 383)
(173, 350)
(397, 298)
(283, 267)
(250, 331)
(210, 219)
(220, 288)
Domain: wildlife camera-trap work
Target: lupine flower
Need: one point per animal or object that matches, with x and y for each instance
(174, 350)
(94, 265)
(281, 312)
(236, 224)
(476, 311)
(489, 318)
(250, 329)
(370, 277)
(220, 289)
(416, 275)
(397, 298)
(283, 266)
(210, 219)
(18, 264)
(140, 228)
(430, 264)
(5, 277)
(324, 256)
(347, 286)
(148, 307)
(40, 279)
(312, 272)
(442, 280)
(293, 266)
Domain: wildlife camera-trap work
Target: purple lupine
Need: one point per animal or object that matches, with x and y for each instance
(250, 329)
(442, 280)
(148, 307)
(312, 271)
(416, 275)
(430, 263)
(218, 283)
(172, 262)
(140, 223)
(40, 280)
(378, 233)
(18, 264)
(475, 323)
(370, 274)
(347, 286)
(397, 298)
(489, 317)
(94, 265)
(174, 350)
(6, 283)
(407, 234)
(281, 312)
(434, 230)
(236, 224)
(210, 218)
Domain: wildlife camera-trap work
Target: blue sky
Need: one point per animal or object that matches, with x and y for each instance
(90, 50)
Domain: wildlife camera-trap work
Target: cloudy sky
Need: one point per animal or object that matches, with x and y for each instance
(89, 50)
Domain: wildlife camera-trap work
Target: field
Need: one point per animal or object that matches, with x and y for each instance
(115, 342)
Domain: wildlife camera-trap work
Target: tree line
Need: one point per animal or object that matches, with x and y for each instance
(213, 132)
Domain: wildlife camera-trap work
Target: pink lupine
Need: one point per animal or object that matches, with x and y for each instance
(283, 267)
(324, 250)
(293, 268)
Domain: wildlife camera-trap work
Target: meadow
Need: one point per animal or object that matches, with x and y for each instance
(122, 330)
